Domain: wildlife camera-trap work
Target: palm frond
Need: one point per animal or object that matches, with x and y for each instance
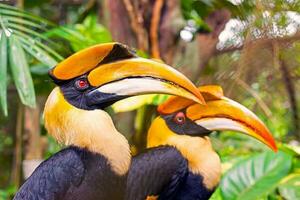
(22, 34)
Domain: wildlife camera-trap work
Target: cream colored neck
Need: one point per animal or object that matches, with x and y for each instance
(202, 159)
(93, 130)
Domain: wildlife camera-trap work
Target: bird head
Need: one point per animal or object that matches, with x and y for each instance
(96, 77)
(186, 126)
(182, 117)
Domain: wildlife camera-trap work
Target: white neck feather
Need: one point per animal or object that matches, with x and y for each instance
(201, 157)
(93, 130)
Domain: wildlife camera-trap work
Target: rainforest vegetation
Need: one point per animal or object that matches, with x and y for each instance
(251, 48)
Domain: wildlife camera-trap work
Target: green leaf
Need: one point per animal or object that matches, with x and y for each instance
(25, 22)
(3, 72)
(28, 31)
(290, 187)
(38, 53)
(135, 102)
(6, 10)
(83, 35)
(256, 176)
(49, 50)
(216, 195)
(20, 72)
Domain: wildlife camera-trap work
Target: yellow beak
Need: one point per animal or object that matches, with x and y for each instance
(113, 68)
(222, 113)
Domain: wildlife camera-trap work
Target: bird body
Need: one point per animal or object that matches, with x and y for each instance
(169, 176)
(74, 174)
(180, 162)
(96, 161)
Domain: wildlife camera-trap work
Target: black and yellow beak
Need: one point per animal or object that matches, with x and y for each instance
(222, 113)
(115, 72)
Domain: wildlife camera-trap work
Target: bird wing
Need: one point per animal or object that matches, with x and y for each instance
(158, 171)
(54, 177)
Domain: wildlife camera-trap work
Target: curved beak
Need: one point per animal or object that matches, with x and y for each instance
(220, 113)
(115, 72)
(226, 114)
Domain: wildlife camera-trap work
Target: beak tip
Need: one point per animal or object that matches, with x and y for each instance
(274, 147)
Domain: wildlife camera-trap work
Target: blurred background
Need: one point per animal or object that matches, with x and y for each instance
(251, 48)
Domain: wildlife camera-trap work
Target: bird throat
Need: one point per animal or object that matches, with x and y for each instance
(88, 129)
(201, 157)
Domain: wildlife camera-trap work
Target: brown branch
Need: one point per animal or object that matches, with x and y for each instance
(136, 22)
(291, 92)
(286, 39)
(207, 41)
(156, 14)
(290, 88)
(256, 96)
(229, 49)
(17, 161)
(87, 8)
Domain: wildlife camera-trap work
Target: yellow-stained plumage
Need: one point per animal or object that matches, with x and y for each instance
(90, 129)
(180, 162)
(197, 150)
(95, 163)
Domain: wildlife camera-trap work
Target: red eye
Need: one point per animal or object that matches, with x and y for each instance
(179, 118)
(81, 84)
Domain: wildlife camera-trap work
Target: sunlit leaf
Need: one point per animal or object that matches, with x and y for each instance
(135, 102)
(25, 22)
(80, 36)
(290, 188)
(216, 195)
(38, 53)
(39, 69)
(256, 176)
(7, 10)
(20, 72)
(3, 72)
(39, 44)
(28, 31)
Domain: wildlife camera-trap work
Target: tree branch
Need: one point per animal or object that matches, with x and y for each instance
(259, 101)
(286, 39)
(136, 22)
(156, 14)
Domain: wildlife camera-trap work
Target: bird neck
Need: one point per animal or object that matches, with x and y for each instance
(89, 129)
(201, 157)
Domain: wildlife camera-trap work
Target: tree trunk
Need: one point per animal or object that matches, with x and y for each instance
(33, 148)
(208, 41)
(17, 161)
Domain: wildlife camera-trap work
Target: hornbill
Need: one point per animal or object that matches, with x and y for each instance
(180, 163)
(95, 163)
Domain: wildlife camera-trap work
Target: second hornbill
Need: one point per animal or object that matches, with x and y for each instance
(95, 163)
(180, 163)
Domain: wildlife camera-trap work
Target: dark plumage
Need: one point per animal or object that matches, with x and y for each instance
(163, 172)
(76, 174)
(88, 81)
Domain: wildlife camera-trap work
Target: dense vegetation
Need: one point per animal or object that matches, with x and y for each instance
(250, 48)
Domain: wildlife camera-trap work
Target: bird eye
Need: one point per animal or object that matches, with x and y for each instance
(179, 118)
(81, 84)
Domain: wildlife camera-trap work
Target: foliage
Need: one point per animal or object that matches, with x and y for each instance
(20, 33)
(250, 171)
(289, 188)
(133, 103)
(256, 176)
(80, 36)
(7, 192)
